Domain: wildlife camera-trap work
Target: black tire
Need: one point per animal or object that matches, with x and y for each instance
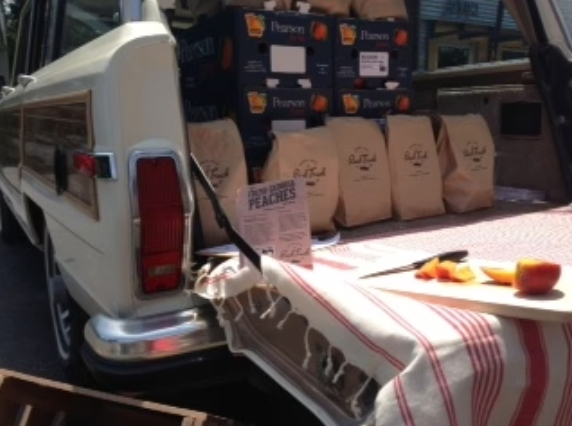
(68, 320)
(11, 232)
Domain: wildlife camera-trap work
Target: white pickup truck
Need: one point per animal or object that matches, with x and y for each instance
(95, 171)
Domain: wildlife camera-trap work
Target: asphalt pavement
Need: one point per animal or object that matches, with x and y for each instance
(27, 345)
(26, 340)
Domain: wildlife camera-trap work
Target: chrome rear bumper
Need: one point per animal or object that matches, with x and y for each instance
(154, 337)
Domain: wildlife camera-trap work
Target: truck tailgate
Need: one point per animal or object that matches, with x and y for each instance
(504, 233)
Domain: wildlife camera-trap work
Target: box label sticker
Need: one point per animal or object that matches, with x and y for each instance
(373, 64)
(288, 59)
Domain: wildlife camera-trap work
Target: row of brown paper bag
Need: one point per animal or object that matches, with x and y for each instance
(364, 9)
(353, 179)
(353, 175)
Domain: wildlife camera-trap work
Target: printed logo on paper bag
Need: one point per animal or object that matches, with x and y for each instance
(319, 31)
(348, 34)
(474, 151)
(311, 171)
(416, 155)
(255, 25)
(257, 102)
(362, 159)
(215, 173)
(351, 103)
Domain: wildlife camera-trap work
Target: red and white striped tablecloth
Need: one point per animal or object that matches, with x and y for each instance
(437, 366)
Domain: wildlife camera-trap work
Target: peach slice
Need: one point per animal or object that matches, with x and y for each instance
(499, 275)
(462, 274)
(445, 270)
(536, 276)
(428, 270)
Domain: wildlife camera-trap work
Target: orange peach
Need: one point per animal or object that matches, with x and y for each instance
(536, 276)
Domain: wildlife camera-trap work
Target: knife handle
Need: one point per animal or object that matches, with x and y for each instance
(453, 256)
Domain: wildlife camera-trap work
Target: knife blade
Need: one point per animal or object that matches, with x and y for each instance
(453, 256)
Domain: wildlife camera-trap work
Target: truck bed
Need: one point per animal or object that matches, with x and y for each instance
(504, 233)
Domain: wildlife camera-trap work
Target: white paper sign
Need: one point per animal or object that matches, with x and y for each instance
(373, 64)
(274, 218)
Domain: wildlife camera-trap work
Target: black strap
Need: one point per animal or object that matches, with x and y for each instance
(222, 218)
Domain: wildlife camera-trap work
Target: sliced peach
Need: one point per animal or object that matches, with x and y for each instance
(420, 275)
(463, 274)
(445, 270)
(499, 275)
(429, 269)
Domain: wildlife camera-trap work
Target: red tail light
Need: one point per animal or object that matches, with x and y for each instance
(162, 224)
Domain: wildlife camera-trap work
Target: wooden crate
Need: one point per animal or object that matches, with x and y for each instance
(33, 401)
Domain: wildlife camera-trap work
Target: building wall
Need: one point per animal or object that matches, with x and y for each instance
(472, 12)
(442, 33)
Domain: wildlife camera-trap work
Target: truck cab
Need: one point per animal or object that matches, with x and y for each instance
(95, 169)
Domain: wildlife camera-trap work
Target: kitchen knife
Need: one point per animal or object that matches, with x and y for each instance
(453, 256)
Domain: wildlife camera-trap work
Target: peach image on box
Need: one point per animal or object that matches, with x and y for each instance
(319, 31)
(257, 102)
(348, 34)
(319, 103)
(403, 103)
(351, 103)
(254, 24)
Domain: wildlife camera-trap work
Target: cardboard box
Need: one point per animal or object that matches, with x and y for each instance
(245, 47)
(372, 104)
(368, 54)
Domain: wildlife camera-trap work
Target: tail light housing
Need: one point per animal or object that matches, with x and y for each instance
(160, 224)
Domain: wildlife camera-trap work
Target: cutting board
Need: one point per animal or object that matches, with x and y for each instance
(352, 260)
(484, 296)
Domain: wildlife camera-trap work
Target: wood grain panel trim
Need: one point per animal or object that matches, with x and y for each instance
(67, 122)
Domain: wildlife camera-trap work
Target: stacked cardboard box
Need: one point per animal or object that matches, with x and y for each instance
(372, 68)
(268, 70)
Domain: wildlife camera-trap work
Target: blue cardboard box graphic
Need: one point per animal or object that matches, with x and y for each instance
(367, 54)
(245, 47)
(372, 104)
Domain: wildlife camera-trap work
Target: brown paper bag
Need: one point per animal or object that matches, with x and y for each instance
(217, 147)
(310, 154)
(467, 156)
(329, 7)
(379, 9)
(416, 186)
(258, 4)
(365, 189)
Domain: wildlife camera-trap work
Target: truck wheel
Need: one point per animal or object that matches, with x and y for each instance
(11, 232)
(68, 319)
